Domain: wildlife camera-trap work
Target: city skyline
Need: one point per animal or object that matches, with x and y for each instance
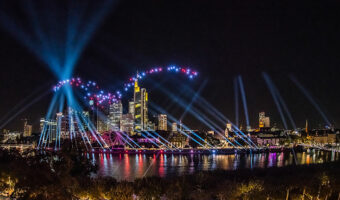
(188, 99)
(263, 121)
(219, 65)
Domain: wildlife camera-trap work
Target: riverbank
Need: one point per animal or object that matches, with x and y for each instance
(66, 175)
(317, 181)
(222, 151)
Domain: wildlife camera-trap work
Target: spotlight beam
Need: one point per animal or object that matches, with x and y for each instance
(244, 100)
(310, 99)
(221, 118)
(236, 94)
(276, 101)
(193, 99)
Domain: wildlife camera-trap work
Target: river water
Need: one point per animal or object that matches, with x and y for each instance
(132, 166)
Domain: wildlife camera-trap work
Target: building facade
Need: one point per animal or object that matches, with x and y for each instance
(127, 123)
(140, 98)
(115, 115)
(162, 122)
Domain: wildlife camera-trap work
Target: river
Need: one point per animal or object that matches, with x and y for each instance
(131, 166)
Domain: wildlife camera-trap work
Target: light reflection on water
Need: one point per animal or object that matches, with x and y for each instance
(129, 167)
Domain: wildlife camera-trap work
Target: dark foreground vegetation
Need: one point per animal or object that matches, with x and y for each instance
(67, 175)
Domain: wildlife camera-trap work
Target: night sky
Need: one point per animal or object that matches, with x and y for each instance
(220, 39)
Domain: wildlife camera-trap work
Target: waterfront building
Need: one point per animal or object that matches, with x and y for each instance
(162, 122)
(264, 121)
(115, 115)
(226, 131)
(127, 123)
(140, 107)
(41, 125)
(27, 129)
(132, 108)
(178, 140)
(174, 127)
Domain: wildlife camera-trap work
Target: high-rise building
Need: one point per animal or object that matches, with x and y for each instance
(229, 126)
(145, 117)
(162, 122)
(226, 131)
(127, 123)
(42, 123)
(262, 115)
(64, 130)
(137, 109)
(49, 128)
(27, 129)
(86, 119)
(132, 108)
(174, 127)
(140, 98)
(115, 115)
(263, 120)
(266, 122)
(52, 130)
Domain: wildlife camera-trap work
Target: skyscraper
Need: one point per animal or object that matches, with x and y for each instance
(59, 124)
(27, 129)
(266, 122)
(42, 123)
(263, 120)
(174, 127)
(115, 115)
(262, 115)
(145, 118)
(162, 122)
(132, 108)
(226, 131)
(140, 99)
(86, 117)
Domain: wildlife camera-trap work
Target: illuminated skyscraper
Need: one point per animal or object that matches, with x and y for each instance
(162, 122)
(52, 126)
(226, 131)
(262, 115)
(263, 120)
(174, 127)
(86, 116)
(27, 129)
(145, 118)
(42, 123)
(266, 122)
(115, 115)
(140, 99)
(132, 108)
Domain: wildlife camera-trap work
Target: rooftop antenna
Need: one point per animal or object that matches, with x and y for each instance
(306, 128)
